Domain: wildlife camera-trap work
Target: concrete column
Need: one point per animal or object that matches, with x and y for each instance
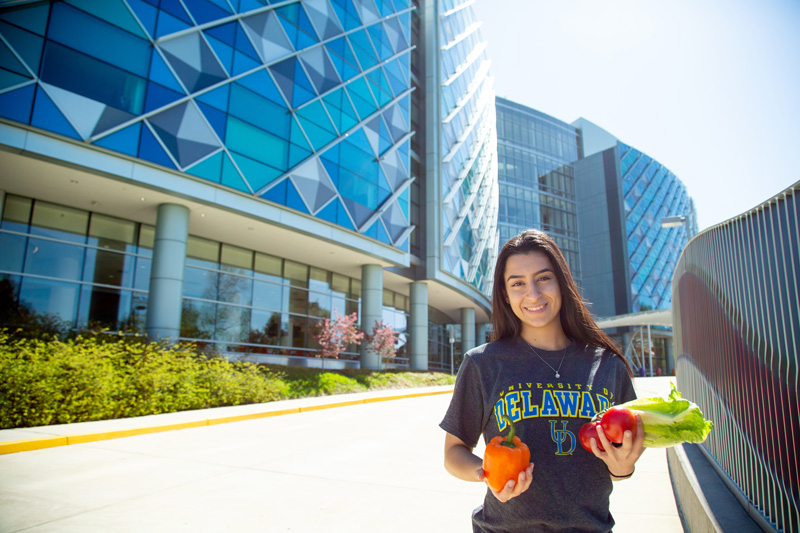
(467, 329)
(670, 356)
(166, 274)
(371, 309)
(481, 338)
(418, 327)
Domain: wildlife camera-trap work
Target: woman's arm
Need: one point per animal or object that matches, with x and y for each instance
(460, 462)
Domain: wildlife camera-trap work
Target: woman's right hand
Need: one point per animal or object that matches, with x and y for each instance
(512, 488)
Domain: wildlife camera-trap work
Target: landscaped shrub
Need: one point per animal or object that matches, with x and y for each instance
(48, 380)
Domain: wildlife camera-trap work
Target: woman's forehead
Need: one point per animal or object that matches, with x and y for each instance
(527, 263)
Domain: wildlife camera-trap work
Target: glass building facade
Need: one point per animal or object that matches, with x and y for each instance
(466, 148)
(293, 138)
(535, 153)
(651, 192)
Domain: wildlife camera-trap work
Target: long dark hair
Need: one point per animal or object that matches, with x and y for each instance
(576, 321)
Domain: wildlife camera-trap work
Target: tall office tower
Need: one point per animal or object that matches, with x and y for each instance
(623, 194)
(231, 172)
(535, 153)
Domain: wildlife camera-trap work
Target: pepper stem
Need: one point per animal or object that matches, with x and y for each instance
(509, 440)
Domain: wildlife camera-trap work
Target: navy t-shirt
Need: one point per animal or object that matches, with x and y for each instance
(570, 486)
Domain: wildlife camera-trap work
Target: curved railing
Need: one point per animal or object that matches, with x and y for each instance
(736, 317)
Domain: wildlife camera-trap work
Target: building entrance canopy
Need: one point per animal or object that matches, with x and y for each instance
(658, 317)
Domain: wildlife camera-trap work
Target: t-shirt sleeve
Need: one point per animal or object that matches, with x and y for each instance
(465, 415)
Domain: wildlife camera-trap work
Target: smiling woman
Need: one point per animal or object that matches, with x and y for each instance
(547, 371)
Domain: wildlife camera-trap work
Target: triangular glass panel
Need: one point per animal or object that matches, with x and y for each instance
(368, 11)
(395, 123)
(343, 58)
(223, 51)
(185, 134)
(382, 235)
(315, 122)
(363, 49)
(243, 6)
(323, 17)
(217, 98)
(340, 109)
(405, 23)
(313, 184)
(161, 74)
(9, 79)
(361, 97)
(125, 141)
(112, 11)
(175, 8)
(380, 41)
(33, 17)
(268, 35)
(28, 45)
(147, 15)
(394, 221)
(277, 192)
(393, 170)
(194, 62)
(224, 32)
(347, 13)
(395, 35)
(297, 25)
(214, 116)
(293, 198)
(167, 24)
(230, 173)
(151, 149)
(16, 105)
(292, 81)
(209, 169)
(243, 63)
(111, 118)
(395, 76)
(203, 11)
(372, 131)
(46, 115)
(331, 212)
(359, 213)
(262, 84)
(380, 86)
(320, 69)
(385, 138)
(257, 174)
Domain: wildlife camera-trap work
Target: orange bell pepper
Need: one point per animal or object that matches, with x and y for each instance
(505, 458)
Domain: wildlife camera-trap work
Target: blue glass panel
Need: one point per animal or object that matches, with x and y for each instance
(380, 87)
(244, 45)
(380, 41)
(115, 12)
(225, 33)
(209, 169)
(160, 73)
(99, 39)
(256, 143)
(125, 140)
(395, 77)
(33, 17)
(146, 13)
(217, 98)
(361, 97)
(363, 49)
(216, 118)
(382, 236)
(229, 172)
(167, 24)
(347, 13)
(292, 81)
(261, 83)
(277, 193)
(316, 124)
(175, 8)
(9, 79)
(330, 164)
(13, 247)
(28, 45)
(150, 149)
(343, 58)
(342, 113)
(159, 96)
(293, 199)
(372, 231)
(299, 148)
(260, 112)
(233, 179)
(243, 63)
(16, 105)
(223, 51)
(298, 27)
(257, 174)
(330, 212)
(54, 259)
(244, 6)
(47, 116)
(93, 79)
(50, 298)
(204, 11)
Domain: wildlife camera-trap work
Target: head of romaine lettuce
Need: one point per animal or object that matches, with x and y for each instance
(670, 421)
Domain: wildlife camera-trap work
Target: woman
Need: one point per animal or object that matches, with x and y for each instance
(550, 369)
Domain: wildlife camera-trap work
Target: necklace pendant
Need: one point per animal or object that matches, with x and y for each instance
(558, 375)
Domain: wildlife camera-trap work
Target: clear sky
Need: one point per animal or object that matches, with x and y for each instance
(709, 88)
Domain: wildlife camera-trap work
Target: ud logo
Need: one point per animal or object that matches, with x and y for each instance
(560, 436)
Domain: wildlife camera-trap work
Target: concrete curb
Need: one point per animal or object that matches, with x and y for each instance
(11, 440)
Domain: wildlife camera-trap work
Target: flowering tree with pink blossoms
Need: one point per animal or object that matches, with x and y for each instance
(383, 340)
(334, 336)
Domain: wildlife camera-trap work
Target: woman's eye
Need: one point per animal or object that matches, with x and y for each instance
(544, 278)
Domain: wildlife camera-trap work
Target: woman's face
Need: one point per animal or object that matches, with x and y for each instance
(533, 293)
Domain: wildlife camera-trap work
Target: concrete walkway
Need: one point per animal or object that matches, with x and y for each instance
(365, 465)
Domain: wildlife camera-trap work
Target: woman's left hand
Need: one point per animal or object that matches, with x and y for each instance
(620, 460)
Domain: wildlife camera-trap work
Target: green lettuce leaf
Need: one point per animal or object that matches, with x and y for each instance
(670, 421)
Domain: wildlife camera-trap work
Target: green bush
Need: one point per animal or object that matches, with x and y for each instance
(47, 380)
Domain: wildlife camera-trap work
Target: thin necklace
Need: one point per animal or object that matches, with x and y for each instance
(545, 362)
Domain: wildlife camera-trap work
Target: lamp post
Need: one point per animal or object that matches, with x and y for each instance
(673, 221)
